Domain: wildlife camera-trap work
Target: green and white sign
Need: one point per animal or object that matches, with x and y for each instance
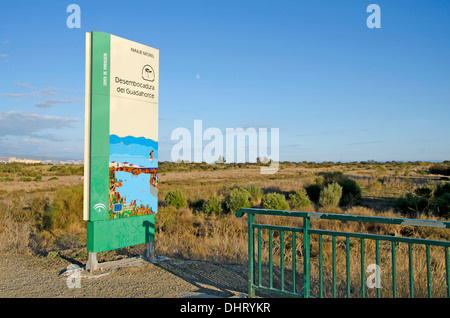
(121, 142)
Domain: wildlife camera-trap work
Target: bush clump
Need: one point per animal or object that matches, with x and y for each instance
(441, 205)
(255, 194)
(330, 196)
(441, 189)
(212, 206)
(313, 192)
(67, 170)
(331, 177)
(239, 198)
(176, 198)
(351, 190)
(441, 168)
(425, 192)
(274, 201)
(411, 204)
(299, 199)
(432, 199)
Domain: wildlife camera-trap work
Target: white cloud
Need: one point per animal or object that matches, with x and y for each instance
(18, 123)
(43, 93)
(197, 76)
(48, 103)
(46, 95)
(33, 133)
(25, 85)
(52, 137)
(32, 140)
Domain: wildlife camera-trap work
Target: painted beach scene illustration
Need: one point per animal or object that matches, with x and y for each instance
(133, 176)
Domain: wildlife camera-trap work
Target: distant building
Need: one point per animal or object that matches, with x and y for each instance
(27, 161)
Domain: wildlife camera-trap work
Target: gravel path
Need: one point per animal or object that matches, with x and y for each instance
(35, 277)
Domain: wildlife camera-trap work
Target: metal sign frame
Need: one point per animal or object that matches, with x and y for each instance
(121, 142)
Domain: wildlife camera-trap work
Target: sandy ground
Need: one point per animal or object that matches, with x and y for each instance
(37, 277)
(34, 276)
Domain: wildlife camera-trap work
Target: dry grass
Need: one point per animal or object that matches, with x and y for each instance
(14, 235)
(189, 233)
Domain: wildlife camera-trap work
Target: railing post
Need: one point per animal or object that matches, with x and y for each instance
(251, 273)
(306, 259)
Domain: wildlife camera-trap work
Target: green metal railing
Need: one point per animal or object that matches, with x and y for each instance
(302, 236)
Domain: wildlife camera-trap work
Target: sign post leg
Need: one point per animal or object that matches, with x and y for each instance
(92, 264)
(149, 254)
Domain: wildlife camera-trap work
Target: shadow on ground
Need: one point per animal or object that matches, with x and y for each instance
(211, 279)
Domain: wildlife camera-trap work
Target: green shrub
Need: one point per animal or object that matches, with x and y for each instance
(441, 205)
(313, 191)
(239, 198)
(425, 192)
(330, 196)
(434, 198)
(441, 168)
(274, 201)
(255, 193)
(320, 180)
(67, 170)
(412, 204)
(351, 192)
(441, 189)
(299, 199)
(331, 177)
(176, 199)
(212, 206)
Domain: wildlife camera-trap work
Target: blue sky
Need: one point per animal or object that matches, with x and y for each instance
(337, 90)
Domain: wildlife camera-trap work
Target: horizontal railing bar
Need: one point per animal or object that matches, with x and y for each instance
(346, 217)
(352, 234)
(380, 237)
(357, 235)
(278, 228)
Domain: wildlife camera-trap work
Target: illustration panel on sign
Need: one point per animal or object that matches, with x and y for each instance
(133, 176)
